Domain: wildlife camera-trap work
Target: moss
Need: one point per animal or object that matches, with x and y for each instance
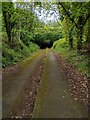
(43, 86)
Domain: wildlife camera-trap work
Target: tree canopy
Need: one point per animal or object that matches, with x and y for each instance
(43, 23)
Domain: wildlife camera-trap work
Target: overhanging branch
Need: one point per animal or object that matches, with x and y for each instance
(72, 20)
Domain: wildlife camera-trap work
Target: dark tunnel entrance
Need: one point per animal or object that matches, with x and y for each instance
(46, 45)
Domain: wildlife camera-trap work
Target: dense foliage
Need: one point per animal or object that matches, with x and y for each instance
(23, 32)
(75, 18)
(16, 33)
(47, 36)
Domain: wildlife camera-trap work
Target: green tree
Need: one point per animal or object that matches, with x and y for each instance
(7, 10)
(78, 15)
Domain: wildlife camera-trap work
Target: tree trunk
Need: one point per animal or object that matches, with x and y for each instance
(79, 39)
(88, 39)
(7, 25)
(7, 9)
(79, 34)
(70, 39)
(71, 42)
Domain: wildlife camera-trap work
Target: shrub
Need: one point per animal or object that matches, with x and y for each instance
(11, 56)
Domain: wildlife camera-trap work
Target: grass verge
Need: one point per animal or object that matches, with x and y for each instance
(78, 60)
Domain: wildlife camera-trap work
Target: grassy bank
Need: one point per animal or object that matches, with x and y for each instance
(11, 56)
(78, 60)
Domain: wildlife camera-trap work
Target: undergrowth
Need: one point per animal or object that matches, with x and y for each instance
(80, 61)
(11, 56)
(0, 54)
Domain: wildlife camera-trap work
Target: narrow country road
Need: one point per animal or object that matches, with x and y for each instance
(53, 99)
